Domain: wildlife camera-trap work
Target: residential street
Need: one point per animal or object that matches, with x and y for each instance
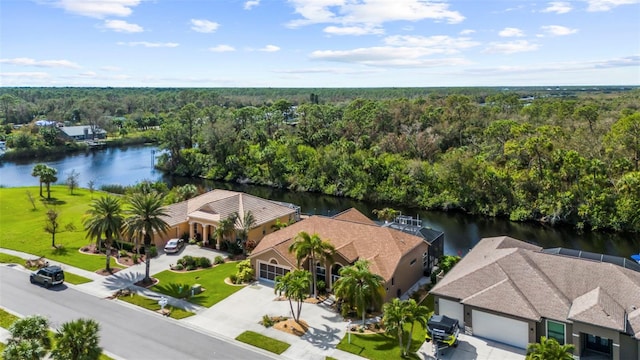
(126, 332)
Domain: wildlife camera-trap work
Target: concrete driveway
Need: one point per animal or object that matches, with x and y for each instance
(473, 348)
(244, 309)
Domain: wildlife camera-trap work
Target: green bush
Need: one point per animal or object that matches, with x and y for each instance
(233, 278)
(218, 260)
(191, 267)
(124, 245)
(232, 247)
(153, 251)
(245, 271)
(192, 241)
(135, 258)
(187, 260)
(178, 267)
(267, 321)
(123, 253)
(185, 236)
(204, 262)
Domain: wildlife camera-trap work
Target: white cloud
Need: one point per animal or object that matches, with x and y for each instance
(510, 47)
(606, 5)
(270, 48)
(25, 75)
(388, 56)
(370, 13)
(440, 44)
(337, 71)
(627, 61)
(40, 63)
(96, 8)
(250, 4)
(558, 7)
(467, 32)
(511, 32)
(149, 44)
(557, 30)
(352, 30)
(122, 26)
(204, 26)
(222, 48)
(110, 68)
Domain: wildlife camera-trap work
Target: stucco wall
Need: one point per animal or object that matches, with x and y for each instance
(406, 274)
(579, 328)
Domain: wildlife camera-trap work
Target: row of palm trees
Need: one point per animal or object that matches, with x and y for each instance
(140, 219)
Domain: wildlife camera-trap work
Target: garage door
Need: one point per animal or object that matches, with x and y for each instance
(270, 271)
(452, 309)
(501, 329)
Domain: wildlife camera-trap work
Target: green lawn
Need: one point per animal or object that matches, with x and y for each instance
(23, 227)
(381, 346)
(150, 304)
(11, 259)
(263, 342)
(212, 280)
(75, 279)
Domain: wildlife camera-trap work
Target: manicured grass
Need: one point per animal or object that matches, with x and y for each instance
(212, 280)
(150, 304)
(382, 346)
(263, 342)
(75, 279)
(6, 319)
(23, 227)
(11, 259)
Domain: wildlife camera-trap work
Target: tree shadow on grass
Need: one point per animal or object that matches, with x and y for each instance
(180, 291)
(53, 201)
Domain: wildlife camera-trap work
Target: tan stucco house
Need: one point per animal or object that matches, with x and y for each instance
(200, 215)
(514, 292)
(399, 257)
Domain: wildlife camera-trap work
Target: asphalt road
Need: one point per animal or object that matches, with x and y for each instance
(129, 333)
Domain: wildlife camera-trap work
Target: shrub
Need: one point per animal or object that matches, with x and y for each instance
(218, 260)
(233, 247)
(153, 252)
(192, 241)
(321, 285)
(204, 262)
(187, 260)
(191, 267)
(135, 259)
(250, 245)
(267, 321)
(114, 188)
(124, 245)
(185, 236)
(245, 271)
(199, 243)
(233, 278)
(178, 267)
(123, 253)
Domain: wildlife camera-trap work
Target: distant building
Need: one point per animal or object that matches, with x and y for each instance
(81, 133)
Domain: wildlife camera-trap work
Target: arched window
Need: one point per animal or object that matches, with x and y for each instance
(335, 272)
(321, 272)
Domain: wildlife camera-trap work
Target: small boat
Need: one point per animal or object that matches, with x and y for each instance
(636, 257)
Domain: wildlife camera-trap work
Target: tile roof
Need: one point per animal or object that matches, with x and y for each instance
(353, 237)
(219, 204)
(513, 277)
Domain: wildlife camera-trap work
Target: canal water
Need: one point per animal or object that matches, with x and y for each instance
(127, 166)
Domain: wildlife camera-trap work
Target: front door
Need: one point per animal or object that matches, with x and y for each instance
(599, 344)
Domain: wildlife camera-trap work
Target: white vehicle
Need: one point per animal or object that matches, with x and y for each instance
(173, 246)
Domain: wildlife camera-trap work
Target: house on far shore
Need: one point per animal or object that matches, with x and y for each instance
(513, 292)
(401, 257)
(200, 216)
(82, 133)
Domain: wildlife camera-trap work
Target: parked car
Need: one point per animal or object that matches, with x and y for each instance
(48, 276)
(173, 246)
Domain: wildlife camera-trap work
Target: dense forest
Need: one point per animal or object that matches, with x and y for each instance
(567, 155)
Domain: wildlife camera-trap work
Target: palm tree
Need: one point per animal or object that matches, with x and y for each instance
(386, 214)
(144, 218)
(311, 247)
(549, 349)
(394, 318)
(37, 172)
(294, 285)
(247, 222)
(226, 227)
(29, 339)
(415, 314)
(77, 340)
(104, 217)
(48, 175)
(359, 287)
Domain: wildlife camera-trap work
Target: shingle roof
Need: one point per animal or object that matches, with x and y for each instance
(219, 204)
(352, 237)
(513, 277)
(79, 130)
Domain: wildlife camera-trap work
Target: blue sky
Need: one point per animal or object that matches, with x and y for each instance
(318, 43)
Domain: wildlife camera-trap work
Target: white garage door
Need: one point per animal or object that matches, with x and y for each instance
(270, 271)
(452, 309)
(501, 329)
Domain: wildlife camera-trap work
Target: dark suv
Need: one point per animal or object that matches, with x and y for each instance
(48, 276)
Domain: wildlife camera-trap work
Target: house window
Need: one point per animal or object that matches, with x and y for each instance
(412, 262)
(393, 281)
(425, 260)
(555, 330)
(321, 272)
